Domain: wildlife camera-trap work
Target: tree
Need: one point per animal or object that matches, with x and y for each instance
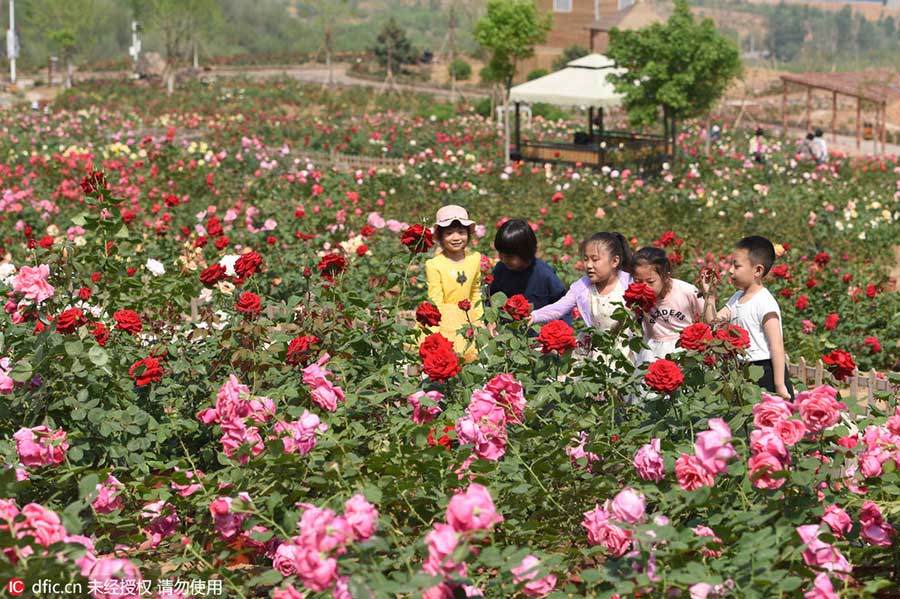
(682, 66)
(571, 53)
(181, 23)
(329, 11)
(786, 33)
(843, 19)
(392, 48)
(67, 24)
(509, 30)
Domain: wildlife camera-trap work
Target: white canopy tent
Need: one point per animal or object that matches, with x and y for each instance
(583, 83)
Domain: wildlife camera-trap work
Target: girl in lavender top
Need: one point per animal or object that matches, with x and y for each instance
(607, 264)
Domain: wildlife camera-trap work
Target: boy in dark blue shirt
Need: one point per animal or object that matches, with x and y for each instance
(520, 272)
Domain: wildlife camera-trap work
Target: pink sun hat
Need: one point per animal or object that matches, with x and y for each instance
(452, 212)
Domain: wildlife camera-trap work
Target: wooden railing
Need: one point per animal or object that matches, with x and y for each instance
(347, 161)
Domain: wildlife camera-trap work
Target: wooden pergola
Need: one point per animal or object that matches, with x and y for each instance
(854, 85)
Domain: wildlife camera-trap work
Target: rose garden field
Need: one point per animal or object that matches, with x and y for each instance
(212, 367)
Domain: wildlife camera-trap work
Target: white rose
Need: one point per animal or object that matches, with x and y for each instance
(156, 267)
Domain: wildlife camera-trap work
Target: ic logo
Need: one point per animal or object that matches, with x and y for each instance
(15, 586)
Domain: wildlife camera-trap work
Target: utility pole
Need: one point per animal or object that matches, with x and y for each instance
(135, 50)
(12, 50)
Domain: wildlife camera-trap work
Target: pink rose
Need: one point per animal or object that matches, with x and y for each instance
(821, 554)
(321, 530)
(39, 446)
(770, 410)
(766, 441)
(873, 528)
(6, 383)
(341, 588)
(648, 462)
(238, 434)
(508, 393)
(601, 531)
(712, 448)
(285, 559)
(822, 588)
(288, 592)
(316, 571)
(705, 531)
(108, 499)
(361, 516)
(300, 435)
(628, 506)
(442, 542)
(838, 520)
(577, 452)
(115, 570)
(423, 415)
(761, 467)
(42, 524)
(871, 461)
(472, 510)
(692, 474)
(32, 283)
(819, 408)
(527, 572)
(163, 521)
(790, 431)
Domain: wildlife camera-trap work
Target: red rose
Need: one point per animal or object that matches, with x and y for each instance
(640, 298)
(780, 271)
(810, 283)
(367, 231)
(330, 265)
(298, 349)
(148, 371)
(212, 274)
(517, 307)
(249, 304)
(557, 336)
(444, 441)
(439, 361)
(873, 344)
(666, 239)
(735, 335)
(802, 302)
(840, 364)
(695, 336)
(831, 321)
(871, 291)
(84, 294)
(247, 264)
(100, 333)
(271, 240)
(786, 292)
(362, 250)
(428, 315)
(417, 238)
(557, 197)
(214, 227)
(70, 320)
(464, 305)
(128, 321)
(822, 259)
(131, 270)
(222, 243)
(93, 182)
(488, 279)
(664, 376)
(96, 277)
(46, 242)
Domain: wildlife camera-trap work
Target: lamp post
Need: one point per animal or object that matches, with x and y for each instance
(12, 50)
(135, 50)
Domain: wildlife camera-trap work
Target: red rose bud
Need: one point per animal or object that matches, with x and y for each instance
(464, 305)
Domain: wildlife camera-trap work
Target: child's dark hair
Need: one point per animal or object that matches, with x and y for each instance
(516, 238)
(655, 257)
(760, 250)
(615, 244)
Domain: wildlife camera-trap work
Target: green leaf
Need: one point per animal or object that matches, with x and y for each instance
(87, 485)
(21, 372)
(98, 356)
(74, 348)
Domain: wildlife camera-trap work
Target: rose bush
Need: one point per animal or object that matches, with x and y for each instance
(299, 451)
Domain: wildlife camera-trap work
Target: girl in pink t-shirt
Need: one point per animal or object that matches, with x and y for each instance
(678, 304)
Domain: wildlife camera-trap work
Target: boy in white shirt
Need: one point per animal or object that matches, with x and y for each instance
(754, 309)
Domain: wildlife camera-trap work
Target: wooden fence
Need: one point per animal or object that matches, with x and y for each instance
(348, 161)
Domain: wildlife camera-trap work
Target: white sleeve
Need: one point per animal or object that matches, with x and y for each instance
(767, 305)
